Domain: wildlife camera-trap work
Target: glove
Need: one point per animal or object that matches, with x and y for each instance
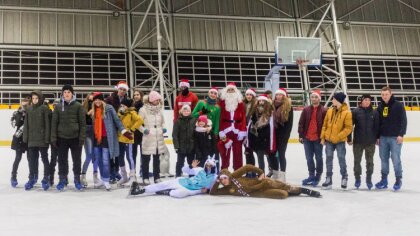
(228, 144)
(222, 135)
(204, 111)
(164, 130)
(81, 143)
(128, 135)
(146, 131)
(241, 136)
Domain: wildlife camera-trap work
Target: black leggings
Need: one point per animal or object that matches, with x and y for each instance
(18, 158)
(145, 166)
(281, 150)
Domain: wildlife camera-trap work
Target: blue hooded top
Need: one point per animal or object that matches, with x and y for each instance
(201, 179)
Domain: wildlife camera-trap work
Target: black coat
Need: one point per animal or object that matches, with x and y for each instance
(18, 118)
(138, 136)
(259, 139)
(203, 144)
(392, 118)
(283, 131)
(366, 125)
(183, 134)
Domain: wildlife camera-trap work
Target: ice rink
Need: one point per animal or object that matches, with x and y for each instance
(97, 212)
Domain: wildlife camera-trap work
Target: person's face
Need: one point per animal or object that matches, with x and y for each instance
(97, 102)
(249, 97)
(261, 102)
(137, 96)
(212, 95)
(336, 103)
(230, 90)
(386, 95)
(201, 124)
(122, 92)
(315, 100)
(366, 102)
(279, 97)
(155, 103)
(182, 88)
(24, 103)
(123, 107)
(35, 99)
(224, 180)
(67, 95)
(186, 112)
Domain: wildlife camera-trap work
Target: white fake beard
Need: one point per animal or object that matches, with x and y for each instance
(231, 101)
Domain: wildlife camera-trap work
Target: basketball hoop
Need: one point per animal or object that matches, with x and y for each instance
(302, 63)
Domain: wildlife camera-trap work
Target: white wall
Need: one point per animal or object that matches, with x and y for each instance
(413, 130)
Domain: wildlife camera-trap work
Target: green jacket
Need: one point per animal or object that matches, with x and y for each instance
(213, 115)
(183, 134)
(68, 121)
(36, 131)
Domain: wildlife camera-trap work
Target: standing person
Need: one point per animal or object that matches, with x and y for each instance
(184, 98)
(203, 139)
(283, 120)
(392, 128)
(232, 125)
(261, 134)
(310, 127)
(105, 124)
(131, 121)
(54, 150)
(87, 105)
(138, 136)
(153, 129)
(249, 101)
(211, 109)
(115, 101)
(68, 131)
(366, 128)
(18, 121)
(36, 134)
(336, 128)
(183, 138)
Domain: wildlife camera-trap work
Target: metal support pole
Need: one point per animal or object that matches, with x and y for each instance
(339, 51)
(172, 48)
(131, 64)
(304, 71)
(159, 46)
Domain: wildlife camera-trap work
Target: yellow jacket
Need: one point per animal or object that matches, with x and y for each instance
(131, 121)
(337, 124)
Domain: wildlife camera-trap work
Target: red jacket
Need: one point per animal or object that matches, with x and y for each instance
(236, 124)
(191, 99)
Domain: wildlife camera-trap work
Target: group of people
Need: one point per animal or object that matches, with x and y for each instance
(205, 133)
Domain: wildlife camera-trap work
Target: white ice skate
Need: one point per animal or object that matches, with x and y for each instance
(124, 177)
(83, 180)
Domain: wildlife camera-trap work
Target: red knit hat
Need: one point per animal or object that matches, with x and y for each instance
(203, 118)
(251, 91)
(282, 91)
(184, 83)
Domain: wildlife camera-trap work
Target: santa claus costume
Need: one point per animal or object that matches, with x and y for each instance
(232, 125)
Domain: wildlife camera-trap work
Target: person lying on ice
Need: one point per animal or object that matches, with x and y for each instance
(237, 184)
(201, 181)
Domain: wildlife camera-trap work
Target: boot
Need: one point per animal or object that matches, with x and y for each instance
(62, 183)
(316, 180)
(107, 185)
(146, 181)
(358, 182)
(132, 177)
(13, 181)
(369, 181)
(275, 174)
(96, 180)
(124, 177)
(344, 182)
(136, 189)
(398, 184)
(309, 180)
(30, 184)
(164, 192)
(45, 183)
(311, 193)
(282, 176)
(383, 184)
(83, 180)
(270, 173)
(328, 183)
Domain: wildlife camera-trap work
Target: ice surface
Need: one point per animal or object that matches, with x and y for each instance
(97, 212)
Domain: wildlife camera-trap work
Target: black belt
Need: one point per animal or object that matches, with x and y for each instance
(232, 121)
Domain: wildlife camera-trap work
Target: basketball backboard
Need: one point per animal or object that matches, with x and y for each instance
(291, 49)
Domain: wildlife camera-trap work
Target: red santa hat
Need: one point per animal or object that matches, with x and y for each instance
(122, 85)
(214, 89)
(251, 91)
(281, 91)
(184, 83)
(263, 97)
(317, 93)
(231, 85)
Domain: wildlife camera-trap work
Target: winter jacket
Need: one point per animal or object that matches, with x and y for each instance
(138, 136)
(131, 121)
(68, 121)
(112, 125)
(114, 100)
(366, 125)
(191, 99)
(153, 122)
(283, 131)
(337, 124)
(213, 114)
(37, 127)
(203, 143)
(392, 118)
(251, 187)
(183, 134)
(18, 121)
(261, 138)
(305, 119)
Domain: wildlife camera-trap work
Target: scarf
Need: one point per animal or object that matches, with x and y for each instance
(211, 101)
(281, 114)
(98, 123)
(201, 129)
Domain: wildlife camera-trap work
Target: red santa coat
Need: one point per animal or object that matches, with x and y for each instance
(191, 99)
(232, 121)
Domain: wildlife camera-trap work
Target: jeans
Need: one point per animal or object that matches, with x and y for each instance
(126, 149)
(313, 148)
(358, 153)
(102, 155)
(89, 156)
(388, 147)
(341, 154)
(33, 156)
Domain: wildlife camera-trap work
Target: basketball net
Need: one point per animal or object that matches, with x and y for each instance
(302, 63)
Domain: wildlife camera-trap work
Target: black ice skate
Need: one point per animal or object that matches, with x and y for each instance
(136, 189)
(310, 192)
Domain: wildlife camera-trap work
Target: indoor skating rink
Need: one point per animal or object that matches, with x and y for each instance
(98, 212)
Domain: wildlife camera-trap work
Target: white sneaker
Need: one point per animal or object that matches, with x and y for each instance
(107, 186)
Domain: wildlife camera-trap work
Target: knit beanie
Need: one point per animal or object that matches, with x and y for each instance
(154, 96)
(68, 87)
(340, 97)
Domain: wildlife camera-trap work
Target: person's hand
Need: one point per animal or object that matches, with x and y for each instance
(146, 131)
(301, 140)
(261, 177)
(322, 142)
(195, 163)
(400, 140)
